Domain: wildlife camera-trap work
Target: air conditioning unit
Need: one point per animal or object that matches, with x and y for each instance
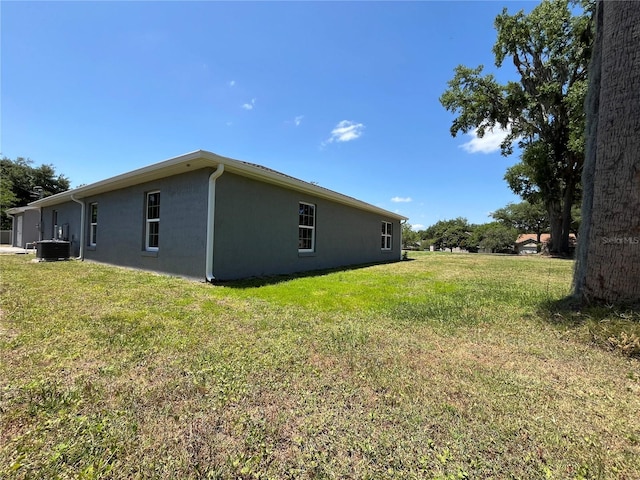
(51, 250)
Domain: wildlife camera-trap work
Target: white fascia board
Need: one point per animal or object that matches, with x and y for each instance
(17, 210)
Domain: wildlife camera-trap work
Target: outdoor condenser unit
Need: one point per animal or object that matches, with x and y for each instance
(52, 250)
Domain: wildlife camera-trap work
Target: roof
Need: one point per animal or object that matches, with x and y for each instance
(17, 210)
(544, 238)
(203, 159)
(532, 237)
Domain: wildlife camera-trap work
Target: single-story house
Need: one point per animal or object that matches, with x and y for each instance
(527, 243)
(25, 230)
(201, 215)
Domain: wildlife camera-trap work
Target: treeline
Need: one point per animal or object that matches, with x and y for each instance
(498, 236)
(542, 112)
(22, 183)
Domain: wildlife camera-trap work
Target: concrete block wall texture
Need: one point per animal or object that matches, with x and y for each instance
(257, 231)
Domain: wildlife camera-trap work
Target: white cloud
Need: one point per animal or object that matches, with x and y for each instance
(232, 83)
(345, 131)
(489, 143)
(298, 120)
(417, 227)
(249, 106)
(401, 199)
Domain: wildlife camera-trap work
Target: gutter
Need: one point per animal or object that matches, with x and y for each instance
(81, 256)
(211, 217)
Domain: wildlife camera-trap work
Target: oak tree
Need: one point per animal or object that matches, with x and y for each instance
(23, 183)
(525, 217)
(542, 112)
(494, 237)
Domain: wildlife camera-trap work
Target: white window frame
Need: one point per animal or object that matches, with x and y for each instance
(55, 234)
(93, 225)
(149, 221)
(386, 242)
(311, 228)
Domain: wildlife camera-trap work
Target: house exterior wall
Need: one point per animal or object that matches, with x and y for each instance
(68, 218)
(120, 237)
(256, 231)
(528, 249)
(30, 228)
(256, 228)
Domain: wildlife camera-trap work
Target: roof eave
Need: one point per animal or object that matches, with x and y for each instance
(202, 159)
(156, 171)
(276, 178)
(17, 210)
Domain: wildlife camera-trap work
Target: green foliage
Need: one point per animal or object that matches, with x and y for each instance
(550, 49)
(494, 237)
(8, 198)
(448, 234)
(576, 218)
(479, 102)
(525, 217)
(23, 183)
(410, 238)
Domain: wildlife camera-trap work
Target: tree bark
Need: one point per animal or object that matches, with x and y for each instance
(608, 260)
(555, 226)
(567, 203)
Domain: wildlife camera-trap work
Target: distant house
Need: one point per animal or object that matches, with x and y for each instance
(527, 243)
(201, 215)
(25, 229)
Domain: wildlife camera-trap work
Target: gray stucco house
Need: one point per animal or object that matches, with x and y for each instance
(204, 216)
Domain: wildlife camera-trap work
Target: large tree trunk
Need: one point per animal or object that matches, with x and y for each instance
(567, 203)
(554, 210)
(559, 208)
(608, 267)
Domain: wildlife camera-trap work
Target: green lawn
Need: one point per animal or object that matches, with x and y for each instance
(445, 366)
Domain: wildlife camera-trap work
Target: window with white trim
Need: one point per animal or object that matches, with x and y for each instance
(152, 221)
(93, 224)
(306, 227)
(55, 233)
(387, 235)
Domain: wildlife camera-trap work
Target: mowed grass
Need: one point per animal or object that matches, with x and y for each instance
(446, 366)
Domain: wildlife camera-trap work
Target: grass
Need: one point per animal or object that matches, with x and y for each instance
(444, 367)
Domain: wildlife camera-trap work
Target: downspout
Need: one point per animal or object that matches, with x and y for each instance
(402, 224)
(81, 256)
(211, 218)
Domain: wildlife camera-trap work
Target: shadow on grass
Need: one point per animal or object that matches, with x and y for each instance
(614, 328)
(256, 282)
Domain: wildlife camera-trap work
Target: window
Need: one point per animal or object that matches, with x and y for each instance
(306, 227)
(387, 235)
(93, 228)
(152, 231)
(54, 222)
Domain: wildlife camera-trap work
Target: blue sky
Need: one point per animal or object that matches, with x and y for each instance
(344, 94)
